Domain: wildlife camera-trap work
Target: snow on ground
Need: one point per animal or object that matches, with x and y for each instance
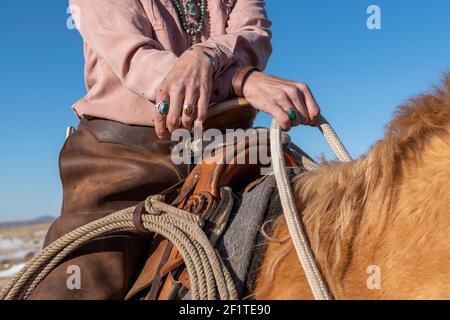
(9, 242)
(16, 255)
(11, 272)
(18, 244)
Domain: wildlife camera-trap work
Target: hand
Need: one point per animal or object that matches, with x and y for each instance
(276, 96)
(189, 82)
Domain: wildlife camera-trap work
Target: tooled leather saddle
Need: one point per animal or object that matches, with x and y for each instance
(207, 192)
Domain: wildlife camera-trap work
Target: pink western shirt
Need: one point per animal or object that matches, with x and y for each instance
(130, 45)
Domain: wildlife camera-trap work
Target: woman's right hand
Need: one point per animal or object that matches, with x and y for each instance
(276, 96)
(189, 82)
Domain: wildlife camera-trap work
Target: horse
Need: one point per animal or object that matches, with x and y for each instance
(379, 226)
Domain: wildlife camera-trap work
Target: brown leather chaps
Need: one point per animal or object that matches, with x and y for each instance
(106, 166)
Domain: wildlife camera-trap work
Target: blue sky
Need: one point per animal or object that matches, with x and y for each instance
(358, 76)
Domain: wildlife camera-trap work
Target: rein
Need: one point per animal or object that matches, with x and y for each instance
(295, 224)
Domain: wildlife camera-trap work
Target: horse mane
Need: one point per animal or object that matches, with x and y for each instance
(340, 201)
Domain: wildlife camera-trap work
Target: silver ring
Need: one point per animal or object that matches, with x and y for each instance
(189, 110)
(163, 107)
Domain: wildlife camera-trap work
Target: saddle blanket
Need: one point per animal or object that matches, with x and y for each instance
(242, 245)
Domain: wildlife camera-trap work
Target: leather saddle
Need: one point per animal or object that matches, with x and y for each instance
(207, 192)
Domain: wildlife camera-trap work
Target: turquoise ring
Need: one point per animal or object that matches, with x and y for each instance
(163, 108)
(292, 113)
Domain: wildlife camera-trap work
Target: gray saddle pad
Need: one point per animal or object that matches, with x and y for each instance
(242, 245)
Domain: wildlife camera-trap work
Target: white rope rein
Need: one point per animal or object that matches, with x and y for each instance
(295, 224)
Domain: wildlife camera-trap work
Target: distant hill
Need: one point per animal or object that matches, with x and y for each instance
(39, 220)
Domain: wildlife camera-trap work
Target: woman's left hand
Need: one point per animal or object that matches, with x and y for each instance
(282, 99)
(187, 89)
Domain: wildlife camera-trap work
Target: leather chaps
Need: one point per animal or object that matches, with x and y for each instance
(106, 166)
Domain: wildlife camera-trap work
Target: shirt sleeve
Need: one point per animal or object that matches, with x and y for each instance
(247, 41)
(120, 32)
(222, 87)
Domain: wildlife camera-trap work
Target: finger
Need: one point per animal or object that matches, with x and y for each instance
(276, 111)
(283, 117)
(159, 120)
(311, 104)
(298, 101)
(203, 101)
(289, 107)
(176, 101)
(189, 111)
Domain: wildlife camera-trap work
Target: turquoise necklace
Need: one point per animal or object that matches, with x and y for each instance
(193, 12)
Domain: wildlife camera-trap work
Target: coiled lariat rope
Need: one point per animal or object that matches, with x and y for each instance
(294, 222)
(208, 275)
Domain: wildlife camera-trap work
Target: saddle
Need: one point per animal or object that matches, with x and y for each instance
(208, 193)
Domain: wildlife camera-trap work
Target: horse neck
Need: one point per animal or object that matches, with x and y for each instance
(362, 214)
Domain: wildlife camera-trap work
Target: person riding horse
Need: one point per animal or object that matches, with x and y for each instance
(153, 66)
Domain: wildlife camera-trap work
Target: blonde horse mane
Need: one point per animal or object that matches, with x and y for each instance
(340, 201)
